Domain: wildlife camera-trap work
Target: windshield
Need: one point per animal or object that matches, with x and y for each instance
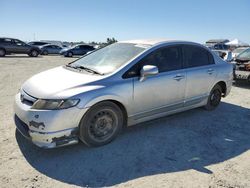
(244, 55)
(238, 50)
(110, 58)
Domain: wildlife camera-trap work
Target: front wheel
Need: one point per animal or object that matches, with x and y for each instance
(101, 124)
(214, 98)
(70, 54)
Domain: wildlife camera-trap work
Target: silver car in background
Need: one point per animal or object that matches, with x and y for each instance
(123, 84)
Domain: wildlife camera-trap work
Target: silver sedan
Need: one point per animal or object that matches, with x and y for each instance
(123, 84)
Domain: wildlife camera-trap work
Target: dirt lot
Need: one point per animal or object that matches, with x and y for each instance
(196, 148)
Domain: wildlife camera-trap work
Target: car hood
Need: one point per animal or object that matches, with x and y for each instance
(58, 82)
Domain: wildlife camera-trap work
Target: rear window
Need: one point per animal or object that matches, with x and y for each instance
(195, 56)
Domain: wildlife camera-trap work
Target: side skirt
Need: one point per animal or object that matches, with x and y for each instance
(161, 112)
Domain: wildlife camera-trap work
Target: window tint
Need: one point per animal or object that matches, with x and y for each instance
(196, 56)
(166, 59)
(5, 40)
(86, 47)
(18, 42)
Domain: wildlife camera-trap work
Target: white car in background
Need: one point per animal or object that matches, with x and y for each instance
(237, 51)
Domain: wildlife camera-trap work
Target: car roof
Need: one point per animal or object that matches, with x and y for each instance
(153, 42)
(8, 38)
(50, 45)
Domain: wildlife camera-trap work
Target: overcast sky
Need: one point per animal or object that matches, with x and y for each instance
(95, 20)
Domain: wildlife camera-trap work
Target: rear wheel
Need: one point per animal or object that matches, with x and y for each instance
(33, 53)
(2, 52)
(214, 98)
(45, 52)
(101, 124)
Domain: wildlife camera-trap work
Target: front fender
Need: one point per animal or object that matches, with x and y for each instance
(104, 98)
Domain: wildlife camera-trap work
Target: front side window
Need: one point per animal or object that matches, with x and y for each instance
(166, 59)
(19, 43)
(110, 58)
(195, 56)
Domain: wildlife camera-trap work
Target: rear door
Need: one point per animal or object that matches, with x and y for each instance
(53, 49)
(7, 44)
(201, 73)
(57, 49)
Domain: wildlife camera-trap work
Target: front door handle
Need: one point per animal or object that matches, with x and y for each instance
(178, 77)
(210, 71)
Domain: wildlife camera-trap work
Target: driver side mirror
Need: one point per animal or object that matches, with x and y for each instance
(148, 70)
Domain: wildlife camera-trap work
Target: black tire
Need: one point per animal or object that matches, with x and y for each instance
(33, 53)
(45, 52)
(101, 124)
(2, 52)
(70, 54)
(214, 98)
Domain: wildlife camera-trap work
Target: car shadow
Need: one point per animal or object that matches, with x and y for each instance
(190, 140)
(242, 84)
(19, 56)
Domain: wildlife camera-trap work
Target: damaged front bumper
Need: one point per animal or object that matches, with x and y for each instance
(47, 128)
(47, 139)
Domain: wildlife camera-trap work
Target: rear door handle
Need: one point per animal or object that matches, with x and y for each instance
(210, 71)
(178, 77)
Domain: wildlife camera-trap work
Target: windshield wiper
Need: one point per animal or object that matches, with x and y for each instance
(88, 69)
(84, 68)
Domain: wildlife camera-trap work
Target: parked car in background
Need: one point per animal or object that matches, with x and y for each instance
(212, 42)
(122, 84)
(237, 51)
(50, 49)
(217, 44)
(221, 46)
(242, 66)
(15, 46)
(37, 43)
(81, 49)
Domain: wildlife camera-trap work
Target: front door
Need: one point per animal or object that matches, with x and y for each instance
(162, 92)
(20, 47)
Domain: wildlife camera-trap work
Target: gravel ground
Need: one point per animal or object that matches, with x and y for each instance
(196, 148)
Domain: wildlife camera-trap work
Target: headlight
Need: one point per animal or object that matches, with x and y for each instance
(51, 104)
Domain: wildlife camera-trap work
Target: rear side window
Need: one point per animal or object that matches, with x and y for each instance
(5, 40)
(166, 59)
(195, 56)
